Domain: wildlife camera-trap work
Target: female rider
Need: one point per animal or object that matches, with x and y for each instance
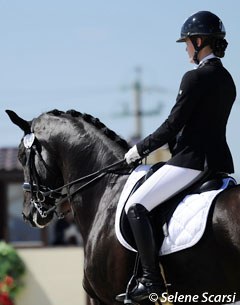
(197, 126)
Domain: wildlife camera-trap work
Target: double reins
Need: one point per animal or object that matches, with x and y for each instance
(56, 193)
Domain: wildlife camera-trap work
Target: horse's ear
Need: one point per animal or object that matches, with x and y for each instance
(23, 124)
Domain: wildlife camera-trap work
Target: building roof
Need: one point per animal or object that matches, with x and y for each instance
(9, 160)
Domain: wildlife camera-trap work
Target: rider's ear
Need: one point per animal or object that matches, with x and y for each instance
(199, 41)
(23, 124)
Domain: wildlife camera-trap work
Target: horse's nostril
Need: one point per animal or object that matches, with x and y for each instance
(28, 220)
(24, 217)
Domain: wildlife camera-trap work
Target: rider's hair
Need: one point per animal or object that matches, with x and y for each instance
(218, 45)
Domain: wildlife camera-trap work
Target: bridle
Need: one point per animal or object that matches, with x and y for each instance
(39, 192)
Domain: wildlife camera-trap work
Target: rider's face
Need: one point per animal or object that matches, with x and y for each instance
(190, 49)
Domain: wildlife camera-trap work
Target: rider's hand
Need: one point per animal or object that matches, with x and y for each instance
(132, 155)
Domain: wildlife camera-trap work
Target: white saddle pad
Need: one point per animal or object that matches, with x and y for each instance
(188, 222)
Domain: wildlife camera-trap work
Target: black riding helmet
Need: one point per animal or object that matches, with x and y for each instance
(203, 23)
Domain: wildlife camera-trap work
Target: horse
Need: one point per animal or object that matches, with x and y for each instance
(78, 153)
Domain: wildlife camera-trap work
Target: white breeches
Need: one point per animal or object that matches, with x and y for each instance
(163, 184)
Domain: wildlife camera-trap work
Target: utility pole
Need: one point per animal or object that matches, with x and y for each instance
(137, 90)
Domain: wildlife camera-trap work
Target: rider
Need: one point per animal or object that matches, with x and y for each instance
(197, 126)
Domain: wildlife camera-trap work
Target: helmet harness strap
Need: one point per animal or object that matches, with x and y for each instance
(197, 48)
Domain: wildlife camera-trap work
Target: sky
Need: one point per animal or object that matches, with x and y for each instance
(85, 55)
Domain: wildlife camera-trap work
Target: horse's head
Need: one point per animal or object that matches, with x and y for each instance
(41, 172)
(56, 146)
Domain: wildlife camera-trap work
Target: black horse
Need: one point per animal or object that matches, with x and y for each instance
(63, 147)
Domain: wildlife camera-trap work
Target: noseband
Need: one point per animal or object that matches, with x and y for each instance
(39, 192)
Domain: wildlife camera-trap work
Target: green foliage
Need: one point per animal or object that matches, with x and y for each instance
(11, 265)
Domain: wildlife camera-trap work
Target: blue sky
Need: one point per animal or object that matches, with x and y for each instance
(83, 55)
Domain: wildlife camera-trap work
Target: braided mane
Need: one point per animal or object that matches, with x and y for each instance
(95, 122)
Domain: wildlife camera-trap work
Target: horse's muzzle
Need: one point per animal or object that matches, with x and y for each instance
(29, 220)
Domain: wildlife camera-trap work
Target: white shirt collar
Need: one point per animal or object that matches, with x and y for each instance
(206, 58)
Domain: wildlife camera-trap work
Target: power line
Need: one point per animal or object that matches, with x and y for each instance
(138, 89)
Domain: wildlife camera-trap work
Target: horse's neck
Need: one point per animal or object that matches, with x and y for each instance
(89, 158)
(97, 206)
(92, 152)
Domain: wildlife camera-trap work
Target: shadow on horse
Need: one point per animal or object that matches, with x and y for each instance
(62, 155)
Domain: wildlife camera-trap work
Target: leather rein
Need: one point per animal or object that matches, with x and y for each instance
(39, 192)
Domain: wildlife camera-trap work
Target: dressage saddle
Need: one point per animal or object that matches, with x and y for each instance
(161, 215)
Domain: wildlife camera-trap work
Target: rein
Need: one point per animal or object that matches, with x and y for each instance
(39, 192)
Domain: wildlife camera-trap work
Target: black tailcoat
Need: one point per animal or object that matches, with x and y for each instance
(196, 126)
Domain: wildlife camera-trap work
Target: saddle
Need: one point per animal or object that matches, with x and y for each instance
(161, 215)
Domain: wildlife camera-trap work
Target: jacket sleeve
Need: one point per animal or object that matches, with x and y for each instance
(187, 98)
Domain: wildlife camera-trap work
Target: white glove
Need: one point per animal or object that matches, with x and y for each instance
(132, 155)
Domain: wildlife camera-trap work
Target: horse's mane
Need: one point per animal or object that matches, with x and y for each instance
(95, 122)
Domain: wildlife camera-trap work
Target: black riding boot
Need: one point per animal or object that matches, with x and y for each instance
(151, 280)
